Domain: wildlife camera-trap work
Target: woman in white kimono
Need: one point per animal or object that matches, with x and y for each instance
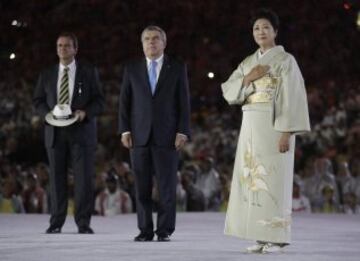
(269, 86)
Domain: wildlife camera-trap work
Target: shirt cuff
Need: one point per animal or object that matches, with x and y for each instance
(182, 135)
(124, 133)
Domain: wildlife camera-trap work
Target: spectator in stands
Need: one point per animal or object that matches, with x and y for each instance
(320, 174)
(195, 199)
(180, 194)
(126, 179)
(300, 203)
(351, 204)
(10, 200)
(328, 204)
(42, 172)
(355, 171)
(112, 200)
(34, 196)
(209, 183)
(345, 181)
(225, 191)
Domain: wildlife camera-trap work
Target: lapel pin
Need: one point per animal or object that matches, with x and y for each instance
(80, 84)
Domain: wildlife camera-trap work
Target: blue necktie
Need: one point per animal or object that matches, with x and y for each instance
(152, 76)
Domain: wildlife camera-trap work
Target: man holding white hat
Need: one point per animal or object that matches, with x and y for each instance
(69, 97)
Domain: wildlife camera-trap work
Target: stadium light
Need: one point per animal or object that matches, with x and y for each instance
(12, 56)
(211, 75)
(17, 23)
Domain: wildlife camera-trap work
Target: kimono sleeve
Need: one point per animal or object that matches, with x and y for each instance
(233, 90)
(291, 108)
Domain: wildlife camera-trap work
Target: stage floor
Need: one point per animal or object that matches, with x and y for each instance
(199, 236)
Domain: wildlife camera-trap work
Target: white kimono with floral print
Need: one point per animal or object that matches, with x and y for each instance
(261, 191)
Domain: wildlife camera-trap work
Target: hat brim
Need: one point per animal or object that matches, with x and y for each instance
(60, 123)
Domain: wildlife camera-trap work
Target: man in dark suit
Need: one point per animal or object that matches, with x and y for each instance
(154, 118)
(71, 146)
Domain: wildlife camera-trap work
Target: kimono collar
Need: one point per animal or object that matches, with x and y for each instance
(268, 56)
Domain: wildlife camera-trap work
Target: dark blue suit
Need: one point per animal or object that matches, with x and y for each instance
(154, 121)
(72, 146)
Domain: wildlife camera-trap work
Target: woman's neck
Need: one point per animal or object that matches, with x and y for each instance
(263, 49)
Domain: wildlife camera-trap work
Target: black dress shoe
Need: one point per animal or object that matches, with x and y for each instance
(163, 238)
(53, 230)
(86, 230)
(142, 237)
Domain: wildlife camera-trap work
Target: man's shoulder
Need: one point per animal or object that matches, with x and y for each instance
(174, 61)
(134, 62)
(84, 65)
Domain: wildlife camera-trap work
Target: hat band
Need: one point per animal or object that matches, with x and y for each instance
(67, 117)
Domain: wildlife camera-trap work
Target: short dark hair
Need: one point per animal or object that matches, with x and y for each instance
(72, 36)
(267, 14)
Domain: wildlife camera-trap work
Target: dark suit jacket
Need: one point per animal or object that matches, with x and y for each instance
(161, 115)
(87, 96)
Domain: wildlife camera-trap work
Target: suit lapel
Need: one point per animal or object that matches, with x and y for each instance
(143, 70)
(164, 72)
(53, 84)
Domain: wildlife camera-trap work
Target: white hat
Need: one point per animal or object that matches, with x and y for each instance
(61, 116)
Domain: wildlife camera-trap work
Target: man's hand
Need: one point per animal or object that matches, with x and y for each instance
(126, 140)
(284, 142)
(81, 114)
(180, 141)
(256, 73)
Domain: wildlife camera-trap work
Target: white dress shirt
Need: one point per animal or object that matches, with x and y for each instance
(159, 64)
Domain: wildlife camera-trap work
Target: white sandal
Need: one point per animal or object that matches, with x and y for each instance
(272, 248)
(255, 248)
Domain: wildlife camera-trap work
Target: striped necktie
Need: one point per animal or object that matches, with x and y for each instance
(64, 95)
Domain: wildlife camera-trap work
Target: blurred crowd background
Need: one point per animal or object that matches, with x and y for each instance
(212, 37)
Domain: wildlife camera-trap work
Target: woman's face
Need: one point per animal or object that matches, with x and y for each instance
(264, 33)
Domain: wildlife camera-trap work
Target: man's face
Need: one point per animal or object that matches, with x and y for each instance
(65, 48)
(153, 44)
(111, 187)
(206, 165)
(32, 183)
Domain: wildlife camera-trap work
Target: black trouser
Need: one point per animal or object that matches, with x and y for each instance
(162, 163)
(64, 154)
